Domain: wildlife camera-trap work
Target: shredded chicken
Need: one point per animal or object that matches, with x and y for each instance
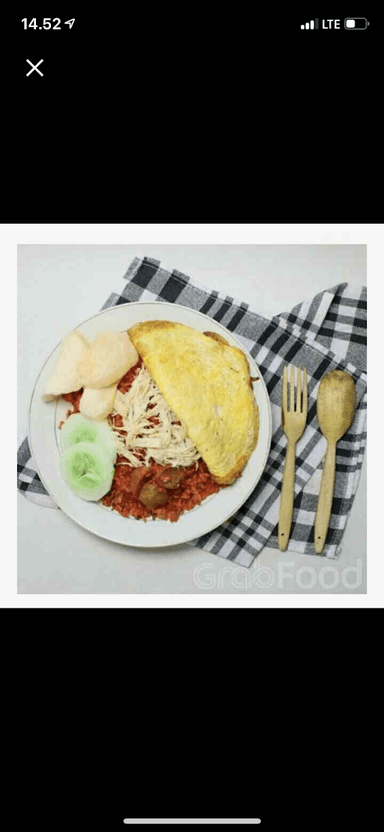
(164, 441)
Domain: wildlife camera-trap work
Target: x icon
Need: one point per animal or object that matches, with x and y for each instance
(34, 67)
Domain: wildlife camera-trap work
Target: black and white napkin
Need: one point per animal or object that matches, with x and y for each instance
(329, 332)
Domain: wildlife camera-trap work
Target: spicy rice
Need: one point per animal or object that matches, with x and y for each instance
(197, 483)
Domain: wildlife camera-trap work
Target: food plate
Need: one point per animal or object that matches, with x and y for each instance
(102, 521)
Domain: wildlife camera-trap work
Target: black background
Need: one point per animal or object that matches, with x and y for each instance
(191, 713)
(116, 47)
(162, 114)
(170, 115)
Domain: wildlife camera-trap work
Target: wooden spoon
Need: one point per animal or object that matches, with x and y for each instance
(335, 411)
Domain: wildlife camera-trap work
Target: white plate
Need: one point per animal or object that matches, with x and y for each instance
(44, 442)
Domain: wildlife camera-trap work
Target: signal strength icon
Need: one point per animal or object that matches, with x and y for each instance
(313, 24)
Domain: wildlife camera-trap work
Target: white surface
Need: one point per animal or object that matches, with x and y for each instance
(61, 285)
(44, 440)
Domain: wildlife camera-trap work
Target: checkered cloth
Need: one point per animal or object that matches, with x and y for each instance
(326, 333)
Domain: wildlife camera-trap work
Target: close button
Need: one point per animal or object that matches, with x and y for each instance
(34, 67)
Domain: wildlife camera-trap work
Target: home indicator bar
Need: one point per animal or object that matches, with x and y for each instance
(191, 820)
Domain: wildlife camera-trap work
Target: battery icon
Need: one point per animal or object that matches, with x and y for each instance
(355, 23)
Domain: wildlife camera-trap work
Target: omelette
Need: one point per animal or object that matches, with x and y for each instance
(206, 383)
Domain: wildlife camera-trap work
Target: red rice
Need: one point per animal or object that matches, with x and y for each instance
(195, 487)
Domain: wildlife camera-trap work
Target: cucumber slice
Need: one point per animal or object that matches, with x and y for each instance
(79, 429)
(87, 469)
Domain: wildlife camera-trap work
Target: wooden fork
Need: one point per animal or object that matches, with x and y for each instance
(293, 423)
